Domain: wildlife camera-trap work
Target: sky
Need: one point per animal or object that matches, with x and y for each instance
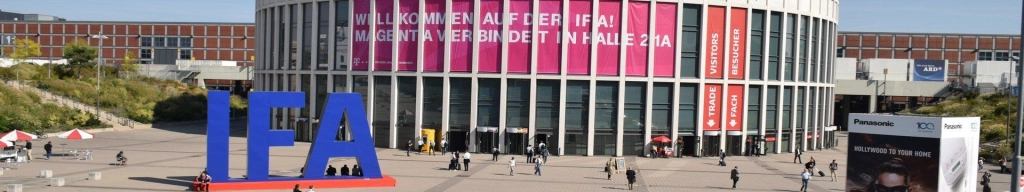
(922, 16)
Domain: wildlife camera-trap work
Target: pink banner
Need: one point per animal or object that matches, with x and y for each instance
(715, 42)
(489, 36)
(461, 35)
(636, 38)
(734, 103)
(607, 38)
(408, 21)
(549, 49)
(712, 107)
(578, 37)
(664, 40)
(384, 35)
(738, 43)
(361, 36)
(520, 35)
(433, 35)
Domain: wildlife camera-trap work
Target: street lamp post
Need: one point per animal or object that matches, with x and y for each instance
(98, 63)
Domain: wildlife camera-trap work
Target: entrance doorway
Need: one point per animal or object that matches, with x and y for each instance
(734, 144)
(515, 143)
(710, 145)
(550, 142)
(486, 141)
(458, 140)
(685, 146)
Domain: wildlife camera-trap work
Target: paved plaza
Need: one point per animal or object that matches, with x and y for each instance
(167, 158)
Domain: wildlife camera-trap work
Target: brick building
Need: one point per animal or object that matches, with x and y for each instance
(956, 48)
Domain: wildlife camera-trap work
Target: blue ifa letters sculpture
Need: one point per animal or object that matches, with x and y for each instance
(261, 137)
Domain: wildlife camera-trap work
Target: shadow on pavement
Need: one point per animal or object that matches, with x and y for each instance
(237, 127)
(175, 182)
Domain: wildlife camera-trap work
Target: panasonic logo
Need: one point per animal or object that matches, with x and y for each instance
(948, 126)
(874, 123)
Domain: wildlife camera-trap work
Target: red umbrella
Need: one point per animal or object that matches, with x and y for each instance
(4, 144)
(661, 139)
(17, 136)
(76, 135)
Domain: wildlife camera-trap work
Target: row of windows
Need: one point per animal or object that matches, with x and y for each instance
(182, 42)
(804, 36)
(996, 55)
(577, 102)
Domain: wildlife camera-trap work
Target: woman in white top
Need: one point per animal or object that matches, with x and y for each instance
(511, 166)
(465, 160)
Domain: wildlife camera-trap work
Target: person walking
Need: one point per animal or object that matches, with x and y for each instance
(805, 176)
(544, 154)
(465, 160)
(1002, 165)
(832, 167)
(408, 147)
(608, 168)
(985, 187)
(431, 148)
(49, 149)
(796, 156)
(28, 150)
(529, 154)
(757, 149)
(630, 177)
(444, 146)
(735, 176)
(511, 166)
(981, 160)
(494, 155)
(419, 144)
(536, 167)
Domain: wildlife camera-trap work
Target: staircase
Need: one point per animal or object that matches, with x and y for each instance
(119, 123)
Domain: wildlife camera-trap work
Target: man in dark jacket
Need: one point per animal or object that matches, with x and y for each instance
(28, 148)
(631, 177)
(49, 149)
(344, 170)
(494, 155)
(735, 176)
(331, 171)
(796, 156)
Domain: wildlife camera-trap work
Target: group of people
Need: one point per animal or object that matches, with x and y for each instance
(355, 171)
(454, 165)
(610, 168)
(538, 153)
(536, 167)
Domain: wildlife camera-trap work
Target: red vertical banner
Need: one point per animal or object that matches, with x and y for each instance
(489, 36)
(361, 35)
(384, 35)
(520, 35)
(608, 36)
(461, 36)
(637, 38)
(712, 107)
(549, 27)
(664, 40)
(737, 43)
(408, 20)
(433, 35)
(715, 43)
(578, 36)
(734, 105)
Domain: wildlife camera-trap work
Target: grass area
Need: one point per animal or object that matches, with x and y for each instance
(143, 99)
(25, 111)
(997, 112)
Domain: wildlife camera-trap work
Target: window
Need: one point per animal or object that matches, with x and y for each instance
(813, 72)
(605, 114)
(790, 48)
(172, 42)
(1002, 56)
(547, 103)
(753, 109)
(488, 96)
(774, 35)
(293, 48)
(433, 101)
(771, 108)
(147, 41)
(661, 107)
(381, 111)
(812, 109)
(635, 106)
(159, 42)
(841, 52)
(756, 45)
(340, 35)
(517, 108)
(687, 108)
(577, 104)
(185, 54)
(186, 42)
(307, 27)
(321, 42)
(804, 55)
(787, 103)
(406, 102)
(985, 56)
(690, 48)
(459, 101)
(800, 105)
(146, 54)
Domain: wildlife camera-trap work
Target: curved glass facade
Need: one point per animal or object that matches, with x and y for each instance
(585, 77)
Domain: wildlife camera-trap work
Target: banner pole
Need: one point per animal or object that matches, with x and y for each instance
(1015, 182)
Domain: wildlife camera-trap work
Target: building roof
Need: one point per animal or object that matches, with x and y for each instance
(917, 34)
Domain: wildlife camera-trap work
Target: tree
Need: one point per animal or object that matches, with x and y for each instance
(24, 49)
(130, 63)
(79, 54)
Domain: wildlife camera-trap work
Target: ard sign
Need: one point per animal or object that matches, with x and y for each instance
(261, 138)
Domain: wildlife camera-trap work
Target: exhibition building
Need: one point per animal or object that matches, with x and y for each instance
(584, 77)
